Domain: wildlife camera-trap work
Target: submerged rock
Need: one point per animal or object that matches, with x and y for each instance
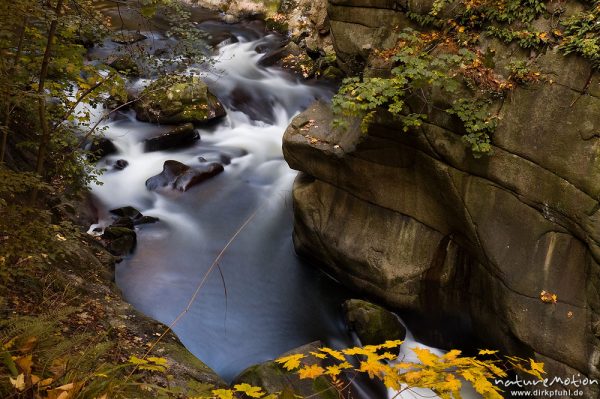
(121, 164)
(373, 324)
(273, 378)
(179, 136)
(178, 99)
(181, 177)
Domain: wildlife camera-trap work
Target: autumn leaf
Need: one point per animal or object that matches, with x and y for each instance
(333, 353)
(548, 297)
(223, 393)
(18, 382)
(390, 344)
(318, 355)
(313, 371)
(290, 362)
(426, 356)
(249, 390)
(25, 363)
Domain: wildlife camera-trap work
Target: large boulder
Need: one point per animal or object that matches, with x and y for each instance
(174, 99)
(418, 223)
(372, 323)
(179, 136)
(179, 176)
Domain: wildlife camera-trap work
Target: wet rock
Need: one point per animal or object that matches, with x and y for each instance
(181, 177)
(373, 324)
(273, 378)
(136, 217)
(222, 156)
(241, 99)
(120, 241)
(145, 220)
(126, 211)
(101, 148)
(179, 136)
(125, 65)
(128, 37)
(290, 57)
(121, 164)
(123, 221)
(178, 99)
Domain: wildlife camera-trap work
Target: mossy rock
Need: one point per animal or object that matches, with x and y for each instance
(175, 99)
(120, 240)
(373, 324)
(125, 65)
(272, 378)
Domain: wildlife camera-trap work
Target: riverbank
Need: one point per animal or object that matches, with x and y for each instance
(73, 310)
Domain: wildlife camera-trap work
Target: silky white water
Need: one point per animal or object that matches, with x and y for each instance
(263, 300)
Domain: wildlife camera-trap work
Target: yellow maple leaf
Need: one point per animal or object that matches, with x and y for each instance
(372, 366)
(426, 357)
(223, 393)
(249, 390)
(487, 352)
(333, 371)
(318, 355)
(333, 353)
(290, 362)
(536, 369)
(390, 344)
(313, 371)
(452, 355)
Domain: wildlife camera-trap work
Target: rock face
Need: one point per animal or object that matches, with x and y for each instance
(415, 221)
(177, 100)
(373, 324)
(181, 177)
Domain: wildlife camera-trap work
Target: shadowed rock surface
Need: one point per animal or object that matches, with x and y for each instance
(177, 137)
(417, 222)
(181, 177)
(373, 324)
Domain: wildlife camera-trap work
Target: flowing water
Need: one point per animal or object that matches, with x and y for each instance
(262, 300)
(266, 302)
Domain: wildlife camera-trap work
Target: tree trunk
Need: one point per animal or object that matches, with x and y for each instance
(12, 69)
(45, 139)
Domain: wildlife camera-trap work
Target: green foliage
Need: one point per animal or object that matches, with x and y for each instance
(30, 237)
(582, 34)
(422, 67)
(478, 123)
(443, 58)
(41, 360)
